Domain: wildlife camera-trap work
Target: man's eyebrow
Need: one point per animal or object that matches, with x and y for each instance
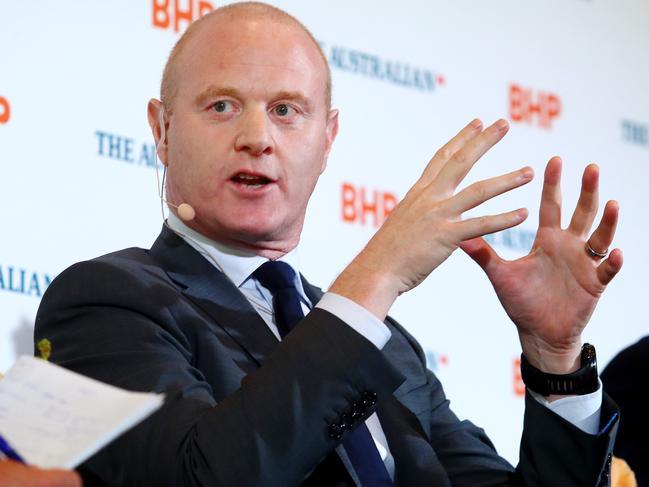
(212, 92)
(296, 96)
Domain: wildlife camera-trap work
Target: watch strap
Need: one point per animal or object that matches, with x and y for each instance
(583, 381)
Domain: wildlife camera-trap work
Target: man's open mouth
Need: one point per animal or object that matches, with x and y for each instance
(250, 180)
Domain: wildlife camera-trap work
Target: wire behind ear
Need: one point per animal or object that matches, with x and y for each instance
(163, 130)
(185, 211)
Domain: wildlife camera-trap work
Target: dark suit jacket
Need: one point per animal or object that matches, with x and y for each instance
(243, 409)
(625, 379)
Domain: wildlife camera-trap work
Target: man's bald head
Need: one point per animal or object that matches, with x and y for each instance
(256, 11)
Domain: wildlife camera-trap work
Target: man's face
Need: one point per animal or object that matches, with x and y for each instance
(249, 133)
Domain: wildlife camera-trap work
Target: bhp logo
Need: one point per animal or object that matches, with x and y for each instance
(167, 13)
(360, 204)
(527, 106)
(5, 111)
(517, 379)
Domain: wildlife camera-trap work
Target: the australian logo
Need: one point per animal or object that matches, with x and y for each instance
(23, 281)
(125, 149)
(373, 66)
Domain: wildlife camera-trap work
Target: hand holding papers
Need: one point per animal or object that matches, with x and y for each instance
(56, 418)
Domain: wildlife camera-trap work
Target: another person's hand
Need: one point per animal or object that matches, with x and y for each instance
(13, 474)
(427, 225)
(621, 474)
(551, 293)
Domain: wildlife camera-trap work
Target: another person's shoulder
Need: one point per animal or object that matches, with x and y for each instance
(633, 360)
(637, 351)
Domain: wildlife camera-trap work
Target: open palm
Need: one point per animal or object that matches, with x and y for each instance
(551, 293)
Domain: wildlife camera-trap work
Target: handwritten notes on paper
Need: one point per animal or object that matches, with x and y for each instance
(56, 418)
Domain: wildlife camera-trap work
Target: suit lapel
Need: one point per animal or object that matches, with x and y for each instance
(313, 293)
(414, 459)
(219, 298)
(214, 293)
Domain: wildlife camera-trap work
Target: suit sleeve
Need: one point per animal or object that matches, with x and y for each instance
(118, 326)
(553, 451)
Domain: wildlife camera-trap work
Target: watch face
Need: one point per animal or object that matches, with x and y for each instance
(588, 355)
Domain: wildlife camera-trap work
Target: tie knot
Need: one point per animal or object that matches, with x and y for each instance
(275, 275)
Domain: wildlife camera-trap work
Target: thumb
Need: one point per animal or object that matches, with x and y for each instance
(481, 252)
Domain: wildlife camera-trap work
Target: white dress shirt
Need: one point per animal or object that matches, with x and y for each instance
(238, 265)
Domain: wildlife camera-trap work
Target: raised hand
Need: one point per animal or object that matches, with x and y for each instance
(551, 293)
(427, 226)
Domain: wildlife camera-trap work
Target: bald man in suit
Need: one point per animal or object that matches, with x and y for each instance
(340, 394)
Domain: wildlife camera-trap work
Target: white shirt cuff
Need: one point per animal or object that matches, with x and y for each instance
(361, 320)
(582, 411)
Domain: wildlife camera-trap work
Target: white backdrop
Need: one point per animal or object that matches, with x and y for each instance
(77, 180)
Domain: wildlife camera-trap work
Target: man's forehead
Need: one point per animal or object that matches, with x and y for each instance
(253, 42)
(245, 37)
(256, 76)
(230, 56)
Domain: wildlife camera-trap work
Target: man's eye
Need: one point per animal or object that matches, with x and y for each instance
(284, 110)
(222, 106)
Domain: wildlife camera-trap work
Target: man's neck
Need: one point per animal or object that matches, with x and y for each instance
(270, 249)
(235, 262)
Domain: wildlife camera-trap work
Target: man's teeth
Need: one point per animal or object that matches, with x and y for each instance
(250, 179)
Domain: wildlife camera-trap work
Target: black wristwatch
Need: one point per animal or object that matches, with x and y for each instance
(580, 382)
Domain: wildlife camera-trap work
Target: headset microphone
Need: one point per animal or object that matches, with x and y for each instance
(185, 211)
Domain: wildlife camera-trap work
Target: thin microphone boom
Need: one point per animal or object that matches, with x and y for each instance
(185, 211)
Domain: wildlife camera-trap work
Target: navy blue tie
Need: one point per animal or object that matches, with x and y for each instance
(279, 279)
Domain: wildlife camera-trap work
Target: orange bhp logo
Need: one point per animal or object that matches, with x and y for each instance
(527, 106)
(517, 379)
(170, 13)
(360, 204)
(5, 111)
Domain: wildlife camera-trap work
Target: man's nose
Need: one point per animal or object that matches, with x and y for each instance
(254, 133)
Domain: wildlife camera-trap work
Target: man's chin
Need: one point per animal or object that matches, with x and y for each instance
(257, 235)
(270, 239)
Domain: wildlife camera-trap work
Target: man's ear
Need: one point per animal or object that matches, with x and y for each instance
(332, 131)
(159, 125)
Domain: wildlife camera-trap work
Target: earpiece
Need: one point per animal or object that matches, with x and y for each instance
(163, 130)
(185, 211)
